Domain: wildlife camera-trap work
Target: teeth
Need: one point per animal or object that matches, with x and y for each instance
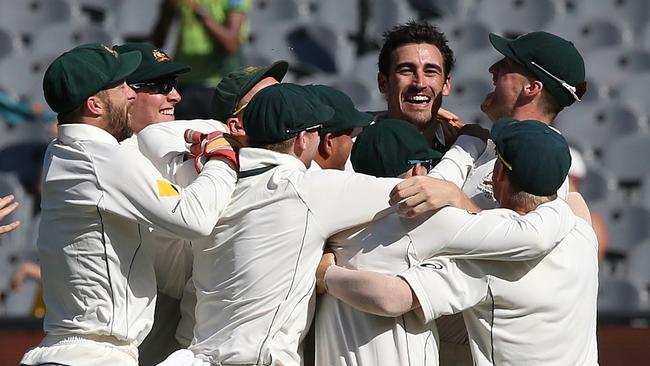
(167, 112)
(418, 98)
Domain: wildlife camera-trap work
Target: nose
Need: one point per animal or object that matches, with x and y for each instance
(418, 79)
(130, 93)
(174, 96)
(493, 68)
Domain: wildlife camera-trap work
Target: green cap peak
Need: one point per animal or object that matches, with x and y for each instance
(535, 155)
(389, 148)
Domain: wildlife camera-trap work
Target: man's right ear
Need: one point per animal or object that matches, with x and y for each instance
(95, 105)
(235, 126)
(382, 82)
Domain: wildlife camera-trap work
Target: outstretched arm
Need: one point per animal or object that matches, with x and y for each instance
(371, 292)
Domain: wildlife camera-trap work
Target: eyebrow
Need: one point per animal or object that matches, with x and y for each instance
(412, 65)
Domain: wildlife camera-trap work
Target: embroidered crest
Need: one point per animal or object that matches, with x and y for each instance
(159, 56)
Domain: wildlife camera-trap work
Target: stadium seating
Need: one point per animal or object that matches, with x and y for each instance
(612, 65)
(27, 17)
(626, 225)
(8, 42)
(465, 36)
(592, 127)
(589, 33)
(515, 17)
(639, 271)
(632, 12)
(626, 158)
(617, 295)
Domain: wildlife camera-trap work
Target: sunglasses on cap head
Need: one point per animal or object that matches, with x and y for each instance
(314, 128)
(576, 91)
(158, 86)
(426, 163)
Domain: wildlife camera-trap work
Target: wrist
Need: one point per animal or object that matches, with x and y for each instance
(321, 278)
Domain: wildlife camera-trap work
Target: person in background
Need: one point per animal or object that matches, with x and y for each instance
(211, 35)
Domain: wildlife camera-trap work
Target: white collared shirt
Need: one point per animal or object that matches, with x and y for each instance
(98, 198)
(255, 278)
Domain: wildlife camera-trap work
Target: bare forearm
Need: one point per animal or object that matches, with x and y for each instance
(226, 34)
(371, 292)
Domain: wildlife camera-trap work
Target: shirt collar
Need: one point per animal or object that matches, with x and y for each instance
(82, 131)
(252, 158)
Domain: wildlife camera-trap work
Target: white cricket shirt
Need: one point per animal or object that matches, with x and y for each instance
(537, 312)
(255, 279)
(345, 336)
(98, 198)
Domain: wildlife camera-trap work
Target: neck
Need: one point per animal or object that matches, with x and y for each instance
(514, 207)
(529, 111)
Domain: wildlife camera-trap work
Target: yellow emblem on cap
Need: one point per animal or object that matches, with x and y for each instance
(166, 189)
(111, 51)
(250, 69)
(159, 56)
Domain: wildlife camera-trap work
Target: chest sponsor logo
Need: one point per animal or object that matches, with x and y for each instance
(432, 265)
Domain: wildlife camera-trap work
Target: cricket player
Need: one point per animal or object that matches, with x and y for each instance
(536, 312)
(163, 144)
(98, 197)
(154, 83)
(346, 336)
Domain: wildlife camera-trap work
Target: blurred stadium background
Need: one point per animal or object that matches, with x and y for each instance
(336, 42)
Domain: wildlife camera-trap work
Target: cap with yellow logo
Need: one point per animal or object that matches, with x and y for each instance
(155, 63)
(83, 71)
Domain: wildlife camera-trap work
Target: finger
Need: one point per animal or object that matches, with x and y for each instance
(8, 210)
(396, 194)
(9, 227)
(445, 114)
(6, 200)
(404, 194)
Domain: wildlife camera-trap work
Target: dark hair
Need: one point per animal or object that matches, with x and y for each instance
(415, 32)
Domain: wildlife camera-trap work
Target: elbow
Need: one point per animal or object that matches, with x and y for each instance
(200, 229)
(391, 307)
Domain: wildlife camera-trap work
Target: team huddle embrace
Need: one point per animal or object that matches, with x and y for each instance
(401, 237)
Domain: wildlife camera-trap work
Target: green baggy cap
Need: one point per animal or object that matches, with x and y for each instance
(279, 112)
(83, 71)
(155, 63)
(536, 155)
(553, 60)
(389, 148)
(237, 83)
(346, 115)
